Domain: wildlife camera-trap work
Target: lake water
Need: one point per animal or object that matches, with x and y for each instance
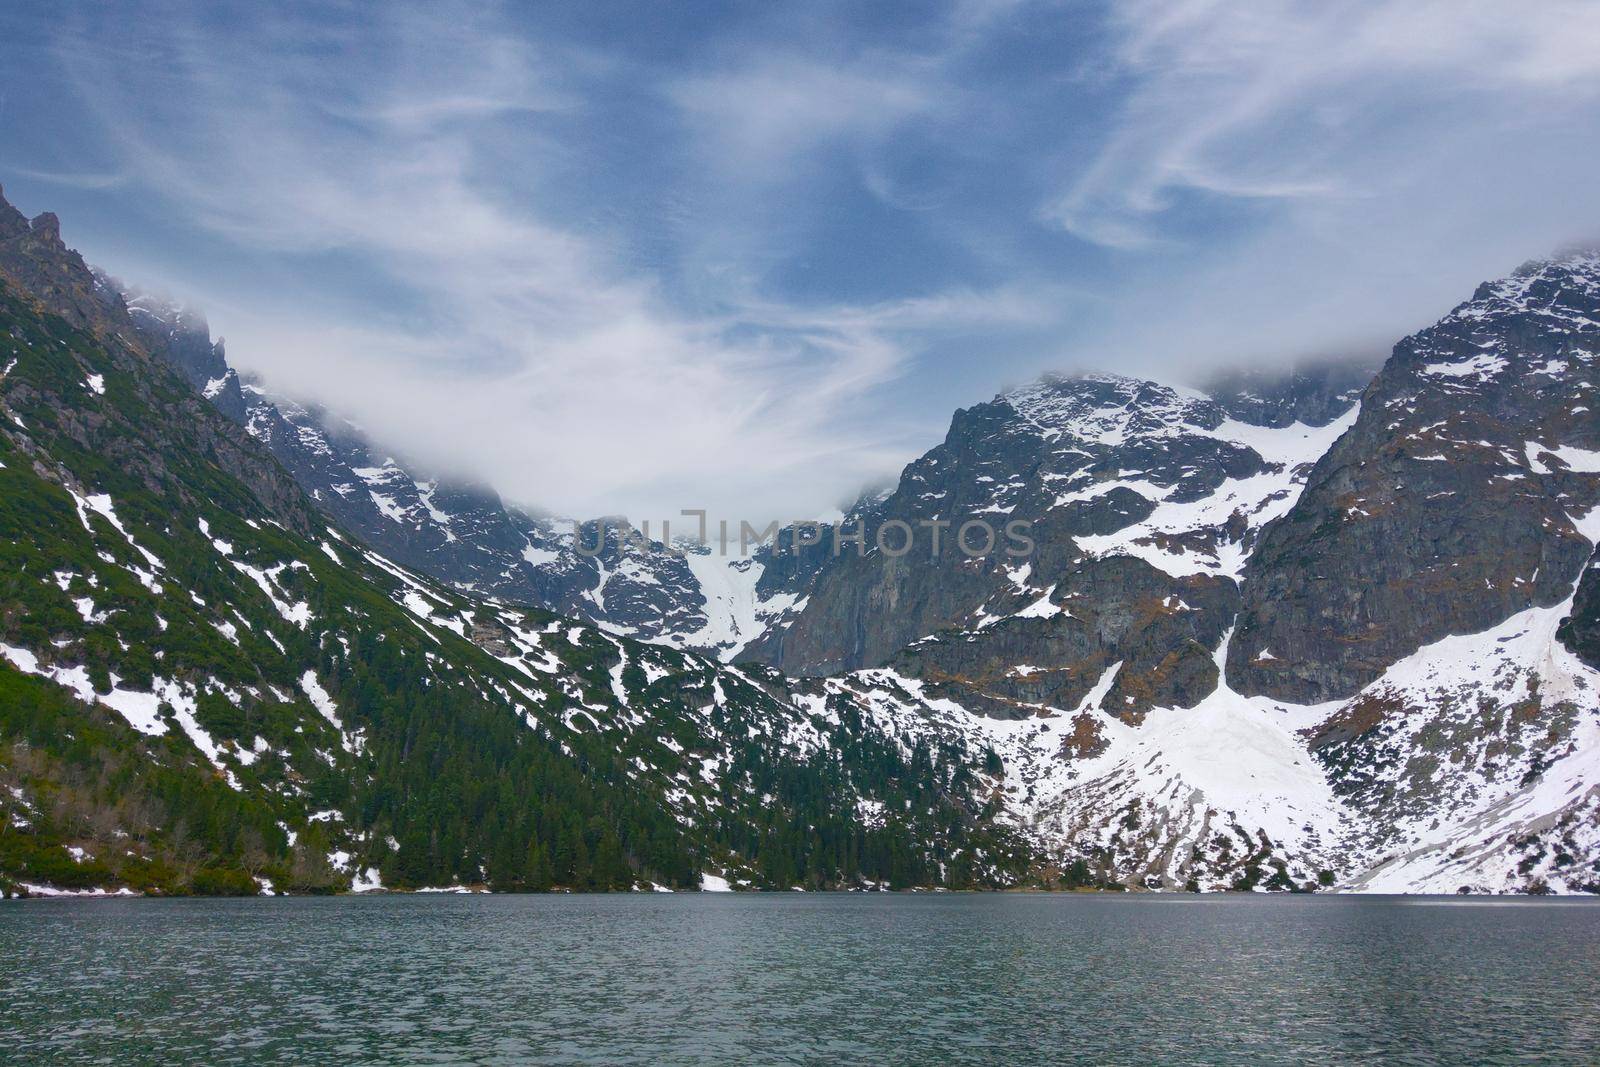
(791, 978)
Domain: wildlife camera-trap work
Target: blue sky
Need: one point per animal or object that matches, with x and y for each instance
(642, 257)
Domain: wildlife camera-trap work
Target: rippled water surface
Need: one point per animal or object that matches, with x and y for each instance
(800, 979)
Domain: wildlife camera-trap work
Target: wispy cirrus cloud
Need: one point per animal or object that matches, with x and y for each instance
(518, 346)
(1289, 100)
(776, 111)
(1298, 178)
(73, 179)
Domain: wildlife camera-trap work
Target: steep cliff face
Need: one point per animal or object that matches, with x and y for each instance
(1464, 493)
(1580, 631)
(39, 268)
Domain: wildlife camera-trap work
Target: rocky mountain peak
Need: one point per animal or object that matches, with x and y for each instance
(35, 261)
(13, 223)
(1109, 408)
(1566, 286)
(1142, 500)
(46, 227)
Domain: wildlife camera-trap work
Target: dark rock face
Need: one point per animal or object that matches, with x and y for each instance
(1119, 610)
(1581, 631)
(995, 465)
(1453, 502)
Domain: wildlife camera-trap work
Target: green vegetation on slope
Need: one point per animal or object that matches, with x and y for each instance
(153, 561)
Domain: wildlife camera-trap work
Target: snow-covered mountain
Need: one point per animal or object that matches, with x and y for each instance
(1472, 765)
(1360, 653)
(1142, 501)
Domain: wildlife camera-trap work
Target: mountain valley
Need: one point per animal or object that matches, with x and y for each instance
(1335, 627)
